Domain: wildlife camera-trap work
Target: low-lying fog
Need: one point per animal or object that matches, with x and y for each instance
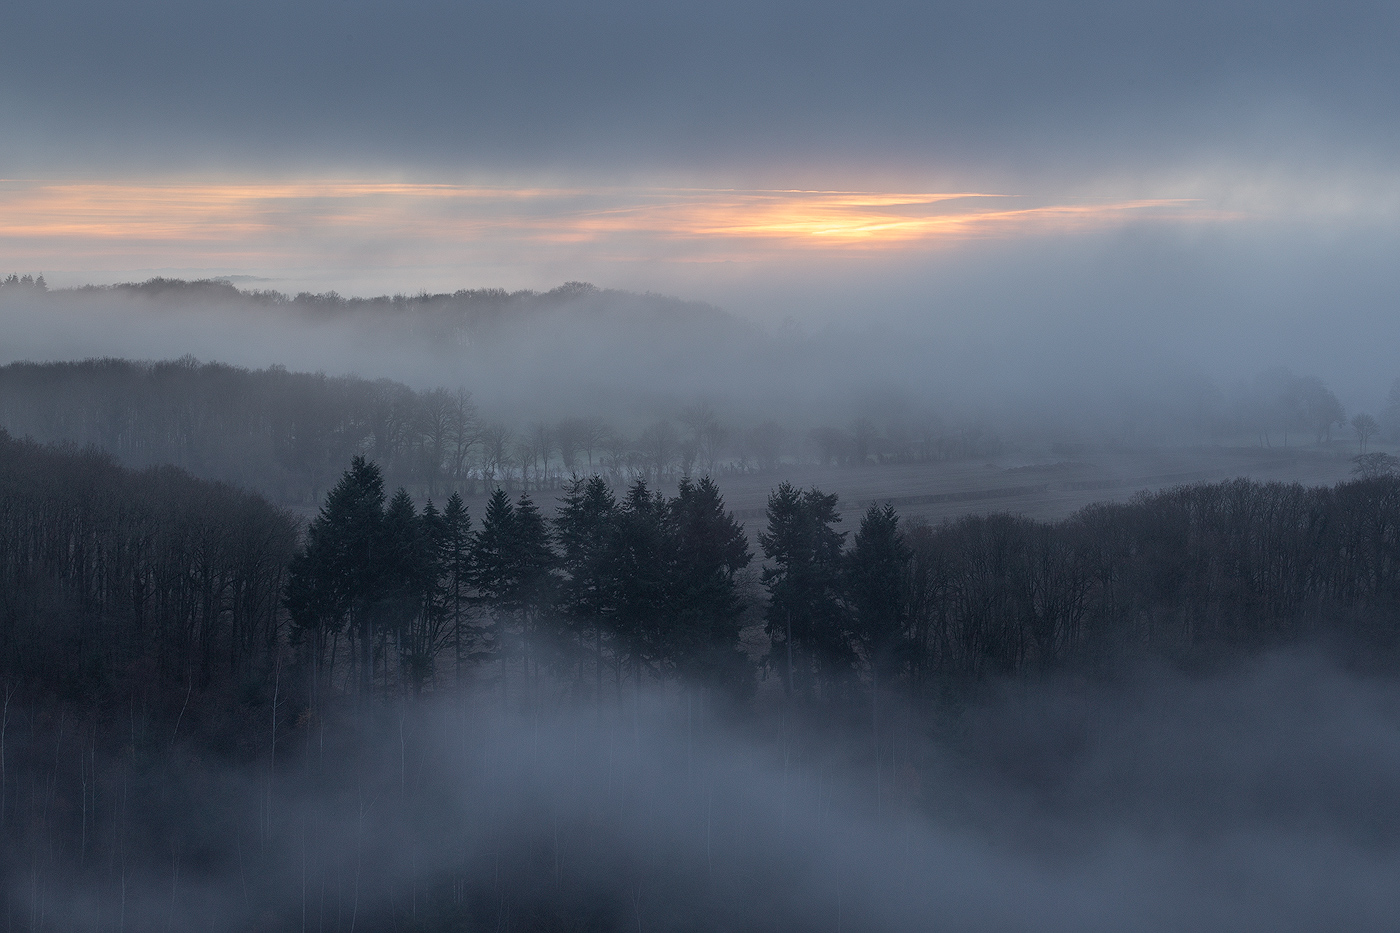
(1081, 332)
(1214, 270)
(1261, 797)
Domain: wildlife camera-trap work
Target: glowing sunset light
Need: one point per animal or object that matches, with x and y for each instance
(330, 223)
(817, 219)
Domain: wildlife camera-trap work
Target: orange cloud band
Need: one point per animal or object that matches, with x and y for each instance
(313, 221)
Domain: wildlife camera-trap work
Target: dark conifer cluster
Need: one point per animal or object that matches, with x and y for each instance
(25, 283)
(649, 586)
(644, 585)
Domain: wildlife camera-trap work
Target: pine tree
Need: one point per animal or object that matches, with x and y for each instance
(455, 554)
(338, 579)
(643, 562)
(426, 632)
(512, 569)
(401, 563)
(710, 549)
(533, 558)
(876, 569)
(586, 528)
(806, 620)
(493, 570)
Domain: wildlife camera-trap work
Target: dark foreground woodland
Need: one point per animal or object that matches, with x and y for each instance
(405, 717)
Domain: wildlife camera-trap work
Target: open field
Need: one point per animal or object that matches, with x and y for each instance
(1046, 489)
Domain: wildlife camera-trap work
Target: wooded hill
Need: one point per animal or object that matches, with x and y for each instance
(115, 580)
(458, 317)
(289, 435)
(161, 635)
(117, 583)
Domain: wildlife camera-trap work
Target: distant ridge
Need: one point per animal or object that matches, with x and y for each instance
(458, 318)
(224, 289)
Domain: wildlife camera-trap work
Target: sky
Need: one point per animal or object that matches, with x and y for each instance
(1215, 180)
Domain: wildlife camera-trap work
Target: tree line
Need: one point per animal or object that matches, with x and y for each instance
(153, 625)
(383, 594)
(650, 586)
(108, 572)
(1185, 573)
(112, 579)
(288, 434)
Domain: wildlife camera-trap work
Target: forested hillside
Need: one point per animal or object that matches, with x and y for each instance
(459, 317)
(117, 584)
(288, 435)
(192, 683)
(120, 583)
(108, 570)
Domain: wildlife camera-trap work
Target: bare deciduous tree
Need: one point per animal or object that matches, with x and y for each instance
(659, 444)
(1366, 428)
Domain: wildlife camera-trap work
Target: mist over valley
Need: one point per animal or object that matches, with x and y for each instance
(766, 466)
(612, 721)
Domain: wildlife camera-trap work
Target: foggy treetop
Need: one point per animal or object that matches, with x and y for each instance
(288, 434)
(466, 308)
(207, 715)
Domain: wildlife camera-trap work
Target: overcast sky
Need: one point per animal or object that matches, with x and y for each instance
(838, 94)
(1223, 164)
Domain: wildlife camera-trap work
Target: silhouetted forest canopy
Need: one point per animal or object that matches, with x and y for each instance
(288, 435)
(108, 571)
(117, 581)
(457, 317)
(154, 625)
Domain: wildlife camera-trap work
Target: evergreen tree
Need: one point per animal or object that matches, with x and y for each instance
(710, 549)
(586, 528)
(876, 569)
(643, 562)
(533, 558)
(401, 560)
(425, 636)
(493, 566)
(338, 579)
(806, 620)
(455, 555)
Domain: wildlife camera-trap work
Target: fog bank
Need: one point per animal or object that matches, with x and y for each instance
(1076, 340)
(1259, 797)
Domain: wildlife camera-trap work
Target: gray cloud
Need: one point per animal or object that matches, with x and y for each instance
(623, 88)
(1282, 113)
